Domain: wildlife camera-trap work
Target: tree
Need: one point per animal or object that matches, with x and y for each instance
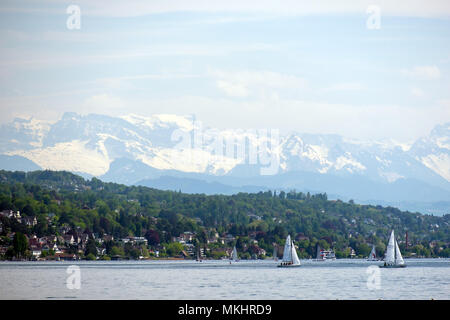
(152, 237)
(20, 244)
(91, 256)
(174, 248)
(91, 248)
(117, 251)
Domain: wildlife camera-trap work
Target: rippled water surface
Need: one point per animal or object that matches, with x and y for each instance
(339, 279)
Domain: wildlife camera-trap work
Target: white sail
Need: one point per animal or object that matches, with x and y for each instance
(234, 255)
(287, 253)
(372, 255)
(275, 253)
(398, 255)
(295, 259)
(390, 251)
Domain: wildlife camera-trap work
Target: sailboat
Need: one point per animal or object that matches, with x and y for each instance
(372, 255)
(274, 255)
(319, 255)
(234, 255)
(393, 257)
(290, 258)
(199, 255)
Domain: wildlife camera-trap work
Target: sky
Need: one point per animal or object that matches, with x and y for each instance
(304, 66)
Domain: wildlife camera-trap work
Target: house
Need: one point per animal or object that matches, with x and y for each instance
(83, 238)
(178, 239)
(36, 251)
(189, 248)
(352, 253)
(6, 213)
(64, 229)
(68, 239)
(56, 249)
(229, 238)
(66, 256)
(16, 215)
(107, 238)
(187, 236)
(11, 214)
(34, 241)
(29, 221)
(138, 240)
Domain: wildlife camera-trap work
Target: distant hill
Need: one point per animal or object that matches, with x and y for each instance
(189, 185)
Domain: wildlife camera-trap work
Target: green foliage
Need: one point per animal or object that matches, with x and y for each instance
(174, 249)
(91, 256)
(20, 244)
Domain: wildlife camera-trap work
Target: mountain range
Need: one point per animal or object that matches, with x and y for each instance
(176, 152)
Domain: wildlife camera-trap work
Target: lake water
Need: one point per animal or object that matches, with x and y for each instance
(339, 279)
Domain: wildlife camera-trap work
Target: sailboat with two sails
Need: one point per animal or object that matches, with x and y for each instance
(393, 257)
(290, 258)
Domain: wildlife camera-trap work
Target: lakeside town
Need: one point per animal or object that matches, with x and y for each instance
(75, 244)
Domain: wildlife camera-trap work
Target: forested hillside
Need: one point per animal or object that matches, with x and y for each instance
(250, 221)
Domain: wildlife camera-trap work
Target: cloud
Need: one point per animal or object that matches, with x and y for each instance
(103, 102)
(417, 92)
(399, 122)
(423, 72)
(233, 89)
(247, 83)
(346, 86)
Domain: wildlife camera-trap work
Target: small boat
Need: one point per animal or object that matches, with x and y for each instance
(372, 255)
(393, 257)
(290, 258)
(328, 254)
(234, 255)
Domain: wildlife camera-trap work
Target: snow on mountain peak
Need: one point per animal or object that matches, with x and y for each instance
(90, 143)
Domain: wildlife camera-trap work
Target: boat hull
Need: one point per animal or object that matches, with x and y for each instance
(289, 266)
(394, 266)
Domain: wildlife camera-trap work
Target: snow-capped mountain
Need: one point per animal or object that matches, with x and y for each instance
(131, 148)
(433, 151)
